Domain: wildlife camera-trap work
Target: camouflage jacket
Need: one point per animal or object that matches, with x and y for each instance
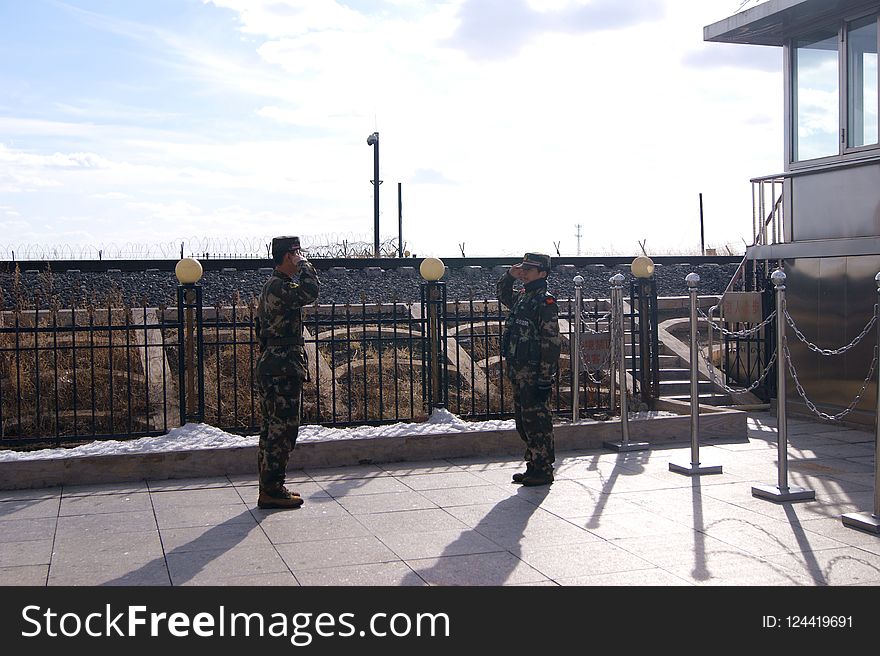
(279, 322)
(531, 341)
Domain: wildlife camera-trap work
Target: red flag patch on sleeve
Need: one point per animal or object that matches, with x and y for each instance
(550, 300)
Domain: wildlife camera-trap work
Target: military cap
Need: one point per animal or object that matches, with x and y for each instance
(282, 245)
(539, 260)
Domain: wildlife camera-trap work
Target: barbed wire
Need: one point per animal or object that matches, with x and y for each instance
(352, 245)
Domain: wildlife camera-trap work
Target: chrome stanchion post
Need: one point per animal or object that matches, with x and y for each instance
(620, 346)
(692, 281)
(575, 358)
(781, 491)
(864, 521)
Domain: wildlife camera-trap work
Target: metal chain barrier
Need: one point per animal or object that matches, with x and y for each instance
(810, 404)
(746, 332)
(821, 351)
(586, 322)
(731, 390)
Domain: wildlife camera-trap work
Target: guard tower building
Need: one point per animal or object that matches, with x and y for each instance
(820, 219)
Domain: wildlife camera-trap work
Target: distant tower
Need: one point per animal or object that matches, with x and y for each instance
(578, 235)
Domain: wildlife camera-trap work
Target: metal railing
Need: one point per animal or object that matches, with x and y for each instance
(125, 372)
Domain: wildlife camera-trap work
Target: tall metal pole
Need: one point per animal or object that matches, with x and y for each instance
(620, 346)
(782, 491)
(373, 140)
(399, 219)
(575, 357)
(693, 280)
(864, 521)
(702, 239)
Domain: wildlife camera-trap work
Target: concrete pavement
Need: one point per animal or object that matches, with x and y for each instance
(609, 519)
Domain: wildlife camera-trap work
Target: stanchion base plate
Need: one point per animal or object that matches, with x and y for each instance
(627, 446)
(694, 470)
(775, 493)
(862, 521)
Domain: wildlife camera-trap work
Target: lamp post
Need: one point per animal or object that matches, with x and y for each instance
(434, 303)
(189, 297)
(373, 140)
(643, 269)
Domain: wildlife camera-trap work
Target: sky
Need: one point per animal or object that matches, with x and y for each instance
(505, 125)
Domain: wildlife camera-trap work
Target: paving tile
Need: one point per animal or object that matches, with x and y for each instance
(423, 467)
(29, 508)
(195, 497)
(844, 566)
(105, 503)
(382, 503)
(629, 525)
(494, 568)
(27, 575)
(691, 550)
(207, 538)
(187, 516)
(373, 574)
(340, 473)
(347, 487)
(512, 510)
(105, 488)
(272, 579)
(94, 552)
(632, 578)
(537, 531)
(187, 483)
(833, 527)
(211, 566)
(580, 559)
(767, 536)
(360, 550)
(409, 521)
(30, 494)
(441, 481)
(433, 544)
(31, 552)
(151, 573)
(734, 569)
(115, 522)
(468, 496)
(20, 530)
(299, 528)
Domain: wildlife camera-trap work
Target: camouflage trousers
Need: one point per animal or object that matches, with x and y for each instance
(280, 398)
(534, 423)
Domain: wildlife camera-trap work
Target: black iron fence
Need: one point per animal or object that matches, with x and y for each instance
(91, 373)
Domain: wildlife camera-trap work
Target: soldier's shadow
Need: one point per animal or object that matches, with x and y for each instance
(185, 562)
(486, 554)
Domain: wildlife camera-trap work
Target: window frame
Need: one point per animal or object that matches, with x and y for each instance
(845, 152)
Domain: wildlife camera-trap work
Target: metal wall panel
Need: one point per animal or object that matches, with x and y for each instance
(837, 203)
(830, 301)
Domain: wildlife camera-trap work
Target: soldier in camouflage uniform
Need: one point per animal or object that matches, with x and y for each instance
(282, 366)
(531, 347)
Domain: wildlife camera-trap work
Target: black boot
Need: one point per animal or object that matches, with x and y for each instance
(535, 478)
(519, 476)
